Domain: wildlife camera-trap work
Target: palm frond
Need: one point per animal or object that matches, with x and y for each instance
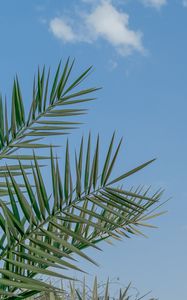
(112, 289)
(53, 101)
(49, 102)
(41, 230)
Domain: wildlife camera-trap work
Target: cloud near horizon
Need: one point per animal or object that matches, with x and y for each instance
(104, 22)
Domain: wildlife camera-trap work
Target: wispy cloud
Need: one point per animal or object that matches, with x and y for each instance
(105, 22)
(112, 64)
(184, 2)
(62, 30)
(155, 3)
(88, 1)
(113, 26)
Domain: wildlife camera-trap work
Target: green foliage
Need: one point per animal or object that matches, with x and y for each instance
(114, 290)
(41, 230)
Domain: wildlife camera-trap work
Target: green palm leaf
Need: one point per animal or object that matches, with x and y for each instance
(110, 290)
(41, 231)
(50, 101)
(47, 104)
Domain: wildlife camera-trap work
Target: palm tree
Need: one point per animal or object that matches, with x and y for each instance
(40, 228)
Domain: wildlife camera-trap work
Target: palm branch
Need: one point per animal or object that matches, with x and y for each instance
(100, 291)
(50, 106)
(41, 229)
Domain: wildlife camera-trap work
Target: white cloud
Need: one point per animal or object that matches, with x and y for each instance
(112, 25)
(62, 30)
(104, 22)
(155, 3)
(184, 3)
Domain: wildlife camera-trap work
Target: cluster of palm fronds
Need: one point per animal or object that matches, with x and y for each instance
(113, 290)
(41, 229)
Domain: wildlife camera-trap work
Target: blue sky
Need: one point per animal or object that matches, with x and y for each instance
(138, 50)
